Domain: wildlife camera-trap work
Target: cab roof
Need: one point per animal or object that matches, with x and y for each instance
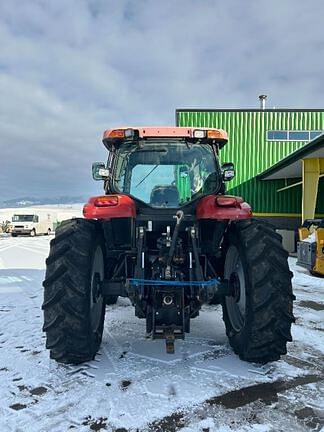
(218, 135)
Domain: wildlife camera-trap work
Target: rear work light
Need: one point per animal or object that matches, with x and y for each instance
(117, 133)
(121, 133)
(215, 134)
(199, 133)
(224, 201)
(129, 133)
(106, 201)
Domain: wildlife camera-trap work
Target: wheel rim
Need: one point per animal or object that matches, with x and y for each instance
(96, 299)
(236, 303)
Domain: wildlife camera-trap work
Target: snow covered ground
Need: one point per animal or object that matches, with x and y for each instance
(134, 385)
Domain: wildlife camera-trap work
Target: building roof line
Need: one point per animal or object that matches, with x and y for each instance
(313, 145)
(193, 110)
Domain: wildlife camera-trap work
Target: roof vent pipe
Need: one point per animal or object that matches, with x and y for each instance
(263, 99)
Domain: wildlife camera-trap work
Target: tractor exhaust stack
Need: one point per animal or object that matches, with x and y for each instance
(263, 99)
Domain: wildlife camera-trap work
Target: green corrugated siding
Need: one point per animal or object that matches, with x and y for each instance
(252, 153)
(264, 197)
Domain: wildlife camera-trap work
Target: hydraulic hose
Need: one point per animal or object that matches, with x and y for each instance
(157, 282)
(179, 216)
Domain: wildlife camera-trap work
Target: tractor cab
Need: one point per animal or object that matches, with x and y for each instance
(163, 167)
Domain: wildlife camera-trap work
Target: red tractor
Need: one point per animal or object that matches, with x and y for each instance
(166, 235)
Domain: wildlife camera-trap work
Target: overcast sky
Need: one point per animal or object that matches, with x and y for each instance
(70, 69)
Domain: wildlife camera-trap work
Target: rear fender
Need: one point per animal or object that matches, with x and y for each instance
(223, 207)
(110, 207)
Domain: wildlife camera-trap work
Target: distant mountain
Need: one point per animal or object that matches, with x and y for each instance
(32, 201)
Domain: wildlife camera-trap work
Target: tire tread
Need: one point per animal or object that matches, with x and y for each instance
(66, 293)
(269, 313)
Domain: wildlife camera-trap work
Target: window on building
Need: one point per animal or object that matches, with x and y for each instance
(283, 135)
(315, 134)
(298, 136)
(277, 135)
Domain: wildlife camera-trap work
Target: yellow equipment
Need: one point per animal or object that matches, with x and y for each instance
(310, 248)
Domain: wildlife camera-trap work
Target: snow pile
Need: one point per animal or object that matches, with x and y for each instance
(311, 238)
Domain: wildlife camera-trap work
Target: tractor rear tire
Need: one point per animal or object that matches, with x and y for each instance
(74, 308)
(259, 313)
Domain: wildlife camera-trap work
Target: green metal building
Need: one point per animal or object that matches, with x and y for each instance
(258, 139)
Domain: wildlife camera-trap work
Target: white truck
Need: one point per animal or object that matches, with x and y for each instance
(31, 224)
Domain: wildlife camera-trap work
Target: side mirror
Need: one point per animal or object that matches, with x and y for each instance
(228, 171)
(99, 171)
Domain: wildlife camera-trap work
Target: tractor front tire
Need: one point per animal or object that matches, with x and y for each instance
(74, 307)
(259, 313)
